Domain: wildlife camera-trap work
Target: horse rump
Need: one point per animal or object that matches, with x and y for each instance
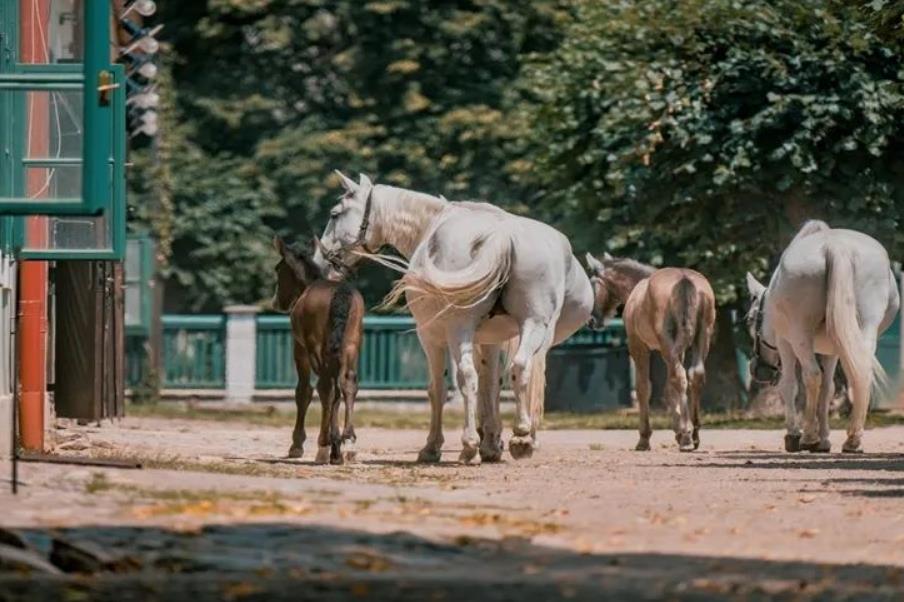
(684, 313)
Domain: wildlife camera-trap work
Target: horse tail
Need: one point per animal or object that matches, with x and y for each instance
(462, 288)
(861, 367)
(684, 312)
(340, 309)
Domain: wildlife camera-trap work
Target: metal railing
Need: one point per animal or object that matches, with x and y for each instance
(194, 352)
(391, 356)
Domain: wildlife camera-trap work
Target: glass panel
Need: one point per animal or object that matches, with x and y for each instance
(53, 122)
(60, 182)
(133, 260)
(133, 304)
(51, 31)
(62, 233)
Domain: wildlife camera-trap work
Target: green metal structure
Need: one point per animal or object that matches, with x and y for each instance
(95, 81)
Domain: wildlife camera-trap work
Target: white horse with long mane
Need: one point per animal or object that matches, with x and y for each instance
(832, 295)
(477, 278)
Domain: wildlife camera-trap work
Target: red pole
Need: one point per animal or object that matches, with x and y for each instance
(32, 344)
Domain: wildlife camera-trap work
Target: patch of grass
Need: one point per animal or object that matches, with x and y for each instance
(417, 417)
(98, 483)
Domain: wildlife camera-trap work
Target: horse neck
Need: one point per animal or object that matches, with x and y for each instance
(624, 275)
(402, 217)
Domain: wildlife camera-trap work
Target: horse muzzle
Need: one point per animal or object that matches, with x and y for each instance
(764, 373)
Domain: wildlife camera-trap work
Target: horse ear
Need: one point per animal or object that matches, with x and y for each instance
(347, 182)
(279, 245)
(594, 264)
(364, 181)
(607, 257)
(753, 286)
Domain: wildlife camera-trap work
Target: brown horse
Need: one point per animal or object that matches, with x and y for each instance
(672, 311)
(327, 326)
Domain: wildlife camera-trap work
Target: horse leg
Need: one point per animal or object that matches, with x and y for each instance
(860, 386)
(436, 363)
(349, 385)
(696, 373)
(787, 388)
(461, 347)
(325, 391)
(489, 423)
(696, 376)
(812, 376)
(677, 396)
(641, 356)
(532, 347)
(826, 393)
(303, 394)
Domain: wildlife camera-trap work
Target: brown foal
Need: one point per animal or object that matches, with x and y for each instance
(670, 310)
(327, 327)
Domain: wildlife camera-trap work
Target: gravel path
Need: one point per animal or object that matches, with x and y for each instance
(585, 515)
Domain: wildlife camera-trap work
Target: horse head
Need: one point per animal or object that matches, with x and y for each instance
(294, 272)
(765, 364)
(605, 302)
(347, 229)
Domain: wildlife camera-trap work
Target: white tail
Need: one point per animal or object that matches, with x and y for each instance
(861, 367)
(464, 288)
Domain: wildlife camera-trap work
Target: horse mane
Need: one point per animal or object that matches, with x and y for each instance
(629, 267)
(811, 227)
(301, 252)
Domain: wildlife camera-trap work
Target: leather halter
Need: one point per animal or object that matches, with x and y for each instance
(758, 360)
(334, 257)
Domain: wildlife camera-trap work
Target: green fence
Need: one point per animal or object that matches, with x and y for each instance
(194, 353)
(391, 357)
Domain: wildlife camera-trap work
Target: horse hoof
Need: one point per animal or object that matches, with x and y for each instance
(429, 456)
(822, 447)
(521, 447)
(685, 443)
(816, 447)
(323, 455)
(468, 454)
(792, 443)
(296, 451)
(349, 453)
(337, 460)
(852, 446)
(696, 438)
(491, 454)
(642, 445)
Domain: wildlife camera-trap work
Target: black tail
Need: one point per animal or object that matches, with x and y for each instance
(340, 306)
(684, 312)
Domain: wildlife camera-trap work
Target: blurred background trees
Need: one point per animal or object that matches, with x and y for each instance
(697, 133)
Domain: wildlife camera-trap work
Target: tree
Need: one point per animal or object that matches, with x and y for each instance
(702, 133)
(275, 94)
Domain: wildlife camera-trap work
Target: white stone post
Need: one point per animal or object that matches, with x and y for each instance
(241, 352)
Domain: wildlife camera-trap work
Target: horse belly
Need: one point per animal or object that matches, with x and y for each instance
(498, 329)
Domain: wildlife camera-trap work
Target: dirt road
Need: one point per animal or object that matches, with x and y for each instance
(584, 516)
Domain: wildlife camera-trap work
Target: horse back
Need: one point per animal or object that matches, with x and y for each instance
(653, 306)
(314, 322)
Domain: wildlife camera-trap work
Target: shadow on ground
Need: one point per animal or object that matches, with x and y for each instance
(276, 562)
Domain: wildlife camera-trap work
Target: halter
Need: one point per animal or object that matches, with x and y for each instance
(760, 369)
(334, 258)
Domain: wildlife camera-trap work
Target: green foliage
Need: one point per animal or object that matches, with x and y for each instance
(703, 132)
(272, 95)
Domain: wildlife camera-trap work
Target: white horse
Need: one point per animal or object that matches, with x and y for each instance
(477, 278)
(832, 294)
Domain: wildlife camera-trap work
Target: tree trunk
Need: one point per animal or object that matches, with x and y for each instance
(724, 389)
